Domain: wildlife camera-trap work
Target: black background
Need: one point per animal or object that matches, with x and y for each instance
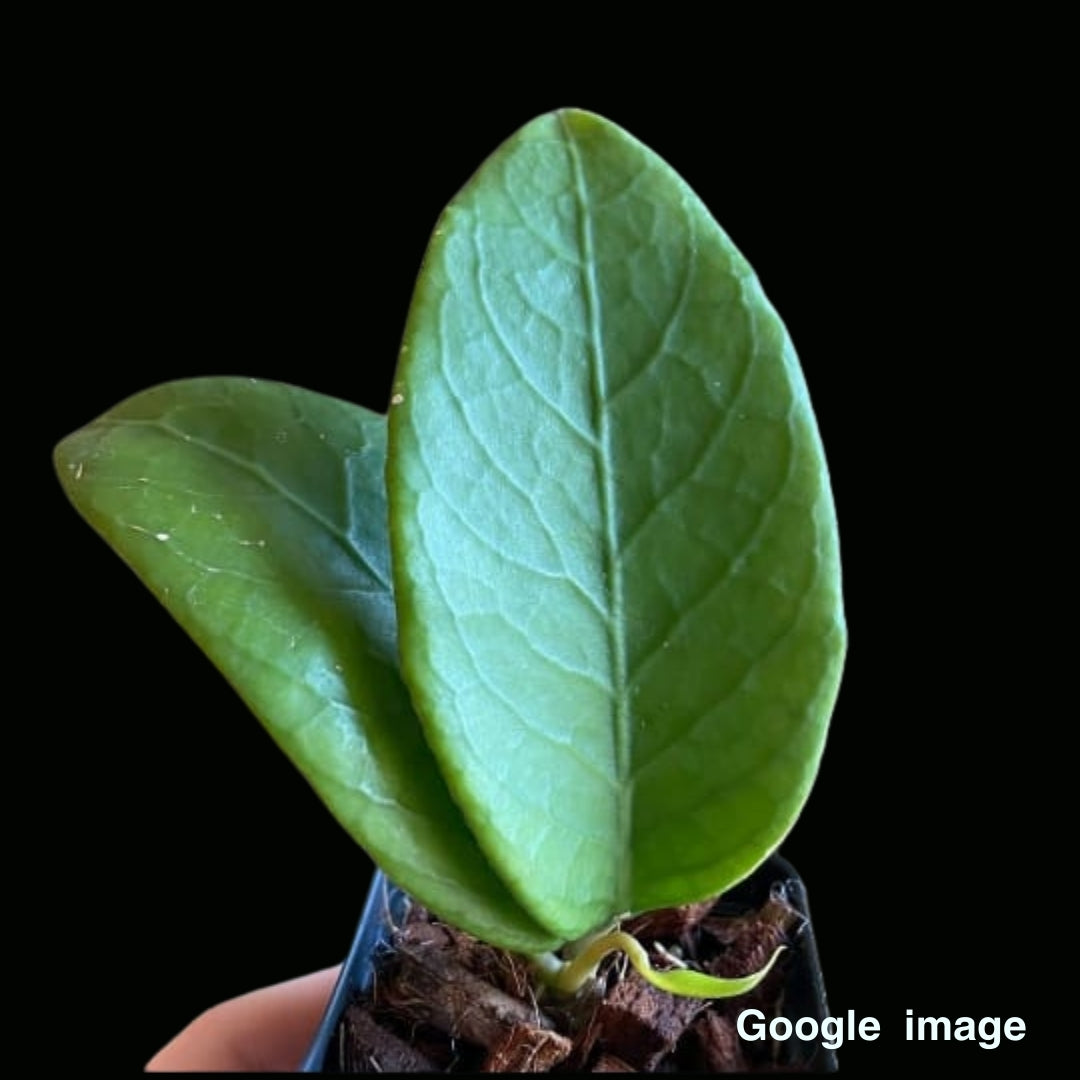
(233, 210)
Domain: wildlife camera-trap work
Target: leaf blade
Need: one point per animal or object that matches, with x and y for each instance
(602, 455)
(255, 512)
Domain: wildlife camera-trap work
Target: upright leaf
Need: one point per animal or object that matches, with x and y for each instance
(256, 513)
(614, 544)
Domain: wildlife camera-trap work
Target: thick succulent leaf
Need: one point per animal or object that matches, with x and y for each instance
(613, 538)
(256, 513)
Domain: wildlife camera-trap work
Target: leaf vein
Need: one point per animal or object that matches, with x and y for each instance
(511, 355)
(274, 484)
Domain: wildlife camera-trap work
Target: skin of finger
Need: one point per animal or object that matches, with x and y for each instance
(266, 1030)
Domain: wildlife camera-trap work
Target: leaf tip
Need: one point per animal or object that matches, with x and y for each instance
(70, 457)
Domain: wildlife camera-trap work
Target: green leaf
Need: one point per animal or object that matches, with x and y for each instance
(256, 513)
(614, 544)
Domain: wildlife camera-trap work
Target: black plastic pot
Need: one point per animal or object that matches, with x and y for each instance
(804, 993)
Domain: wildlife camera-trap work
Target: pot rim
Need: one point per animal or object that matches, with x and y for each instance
(386, 902)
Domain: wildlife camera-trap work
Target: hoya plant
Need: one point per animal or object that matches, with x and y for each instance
(558, 638)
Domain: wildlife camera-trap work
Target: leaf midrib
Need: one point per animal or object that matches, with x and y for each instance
(267, 478)
(602, 453)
